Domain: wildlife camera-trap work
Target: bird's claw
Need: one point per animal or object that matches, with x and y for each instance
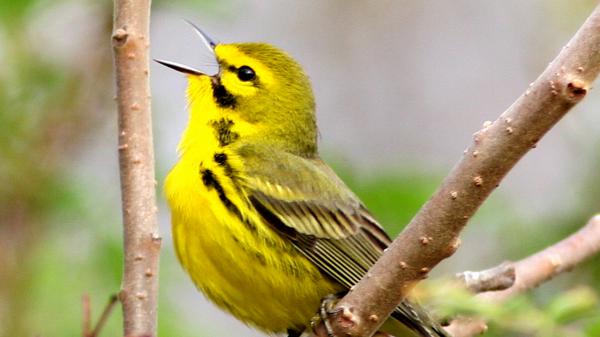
(326, 310)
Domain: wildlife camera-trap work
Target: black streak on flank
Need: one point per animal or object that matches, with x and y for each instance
(223, 131)
(210, 181)
(223, 97)
(221, 159)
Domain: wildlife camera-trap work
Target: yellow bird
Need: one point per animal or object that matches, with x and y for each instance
(262, 225)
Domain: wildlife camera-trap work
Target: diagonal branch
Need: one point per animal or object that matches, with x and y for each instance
(538, 268)
(139, 292)
(433, 234)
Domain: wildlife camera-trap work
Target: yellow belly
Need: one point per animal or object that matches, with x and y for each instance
(242, 266)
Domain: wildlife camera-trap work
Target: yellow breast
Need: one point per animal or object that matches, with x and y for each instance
(231, 254)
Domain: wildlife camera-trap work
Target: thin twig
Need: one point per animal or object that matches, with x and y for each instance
(87, 315)
(497, 278)
(558, 258)
(538, 268)
(466, 327)
(105, 314)
(433, 234)
(139, 293)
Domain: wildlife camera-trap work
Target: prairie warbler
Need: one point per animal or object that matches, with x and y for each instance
(262, 225)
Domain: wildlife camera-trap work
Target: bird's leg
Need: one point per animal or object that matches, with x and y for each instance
(326, 310)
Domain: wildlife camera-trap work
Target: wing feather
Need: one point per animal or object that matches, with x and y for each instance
(334, 238)
(304, 200)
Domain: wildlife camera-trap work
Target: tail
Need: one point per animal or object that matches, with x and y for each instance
(416, 319)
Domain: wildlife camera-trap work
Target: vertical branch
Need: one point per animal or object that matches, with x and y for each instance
(141, 237)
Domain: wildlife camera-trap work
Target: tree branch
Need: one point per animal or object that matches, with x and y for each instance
(558, 258)
(139, 291)
(466, 327)
(539, 268)
(433, 234)
(497, 278)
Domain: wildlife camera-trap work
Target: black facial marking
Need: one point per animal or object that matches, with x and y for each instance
(210, 181)
(223, 131)
(223, 97)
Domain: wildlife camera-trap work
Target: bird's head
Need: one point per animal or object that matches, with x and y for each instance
(261, 85)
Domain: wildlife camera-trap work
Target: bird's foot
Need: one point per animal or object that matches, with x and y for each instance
(326, 310)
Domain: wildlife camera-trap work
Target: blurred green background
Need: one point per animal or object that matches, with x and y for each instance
(400, 87)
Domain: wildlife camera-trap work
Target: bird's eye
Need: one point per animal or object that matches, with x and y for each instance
(246, 73)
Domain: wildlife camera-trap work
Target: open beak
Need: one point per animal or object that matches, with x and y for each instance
(180, 67)
(208, 42)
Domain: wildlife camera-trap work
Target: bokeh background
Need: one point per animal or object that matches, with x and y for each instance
(400, 87)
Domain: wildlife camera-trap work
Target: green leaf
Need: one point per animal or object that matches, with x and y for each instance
(573, 305)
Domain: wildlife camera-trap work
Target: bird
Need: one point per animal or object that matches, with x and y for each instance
(263, 226)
